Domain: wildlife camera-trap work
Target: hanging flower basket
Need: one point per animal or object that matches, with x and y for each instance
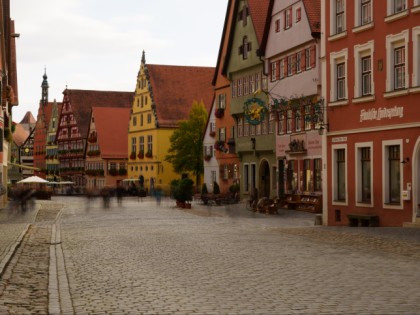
(220, 112)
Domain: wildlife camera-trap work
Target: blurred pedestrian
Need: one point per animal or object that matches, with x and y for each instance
(120, 191)
(158, 195)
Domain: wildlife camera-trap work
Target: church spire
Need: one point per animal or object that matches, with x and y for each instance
(44, 86)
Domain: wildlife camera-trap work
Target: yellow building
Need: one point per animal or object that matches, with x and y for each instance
(163, 96)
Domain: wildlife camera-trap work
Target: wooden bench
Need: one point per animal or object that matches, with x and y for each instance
(363, 219)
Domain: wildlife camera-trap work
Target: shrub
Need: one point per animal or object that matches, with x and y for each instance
(216, 188)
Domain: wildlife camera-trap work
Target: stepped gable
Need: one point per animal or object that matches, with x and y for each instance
(111, 126)
(313, 11)
(174, 89)
(82, 101)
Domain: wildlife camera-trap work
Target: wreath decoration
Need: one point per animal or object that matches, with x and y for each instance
(254, 110)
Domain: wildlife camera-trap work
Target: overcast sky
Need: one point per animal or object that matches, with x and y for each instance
(97, 44)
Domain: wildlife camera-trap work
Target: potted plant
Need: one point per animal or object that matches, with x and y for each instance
(219, 112)
(141, 155)
(183, 191)
(133, 156)
(149, 154)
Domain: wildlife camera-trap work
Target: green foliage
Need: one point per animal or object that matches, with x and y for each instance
(204, 190)
(182, 190)
(186, 149)
(234, 188)
(216, 188)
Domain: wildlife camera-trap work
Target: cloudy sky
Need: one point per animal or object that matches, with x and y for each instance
(97, 44)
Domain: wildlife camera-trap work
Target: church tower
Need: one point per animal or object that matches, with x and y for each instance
(44, 86)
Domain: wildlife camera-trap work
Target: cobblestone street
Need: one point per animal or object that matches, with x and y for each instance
(141, 258)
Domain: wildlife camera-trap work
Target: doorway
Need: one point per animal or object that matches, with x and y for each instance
(265, 179)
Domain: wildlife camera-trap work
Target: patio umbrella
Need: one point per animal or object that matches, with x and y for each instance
(33, 179)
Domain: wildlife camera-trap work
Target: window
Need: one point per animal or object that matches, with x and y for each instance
(150, 144)
(289, 66)
(291, 177)
(299, 62)
(338, 82)
(282, 68)
(141, 144)
(298, 14)
(366, 76)
(251, 84)
(392, 175)
(240, 127)
(221, 100)
(257, 81)
(396, 65)
(363, 70)
(308, 58)
(341, 81)
(273, 71)
(339, 16)
(364, 173)
(366, 12)
(399, 68)
(239, 87)
(308, 117)
(399, 6)
(289, 121)
(246, 128)
(298, 120)
(280, 123)
(288, 18)
(149, 118)
(245, 48)
(133, 145)
(234, 88)
(271, 124)
(277, 25)
(134, 121)
(141, 119)
(246, 85)
(340, 175)
(416, 52)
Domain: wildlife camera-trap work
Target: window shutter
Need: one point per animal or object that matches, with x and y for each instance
(240, 13)
(278, 70)
(249, 46)
(241, 50)
(313, 56)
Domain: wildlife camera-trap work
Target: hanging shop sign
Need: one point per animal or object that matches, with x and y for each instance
(255, 110)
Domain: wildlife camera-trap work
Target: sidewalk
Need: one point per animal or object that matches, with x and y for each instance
(13, 227)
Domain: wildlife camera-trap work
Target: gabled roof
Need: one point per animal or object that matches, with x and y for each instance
(111, 127)
(173, 89)
(28, 119)
(259, 12)
(82, 102)
(20, 135)
(313, 11)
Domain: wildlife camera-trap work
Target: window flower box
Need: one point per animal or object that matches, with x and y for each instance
(149, 154)
(220, 112)
(140, 155)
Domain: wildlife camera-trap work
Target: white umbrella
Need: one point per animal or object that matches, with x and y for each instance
(33, 179)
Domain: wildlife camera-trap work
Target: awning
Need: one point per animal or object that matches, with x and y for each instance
(24, 166)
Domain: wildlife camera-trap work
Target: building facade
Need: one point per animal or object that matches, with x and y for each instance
(372, 92)
(160, 102)
(291, 53)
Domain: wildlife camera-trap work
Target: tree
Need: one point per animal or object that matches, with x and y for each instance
(186, 149)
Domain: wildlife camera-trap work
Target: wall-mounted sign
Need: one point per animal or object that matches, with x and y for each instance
(381, 113)
(254, 110)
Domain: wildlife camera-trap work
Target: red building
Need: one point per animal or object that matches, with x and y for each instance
(372, 91)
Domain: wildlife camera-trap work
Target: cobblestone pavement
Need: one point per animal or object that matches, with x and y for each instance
(142, 258)
(147, 259)
(24, 280)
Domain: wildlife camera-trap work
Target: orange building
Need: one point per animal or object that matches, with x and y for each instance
(372, 89)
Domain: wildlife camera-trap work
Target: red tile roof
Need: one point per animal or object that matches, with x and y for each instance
(174, 88)
(313, 11)
(20, 135)
(258, 10)
(111, 126)
(82, 102)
